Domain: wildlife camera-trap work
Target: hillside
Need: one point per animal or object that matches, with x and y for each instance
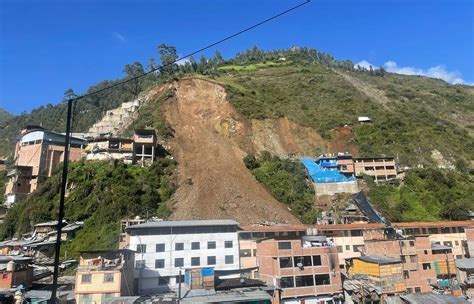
(4, 116)
(211, 117)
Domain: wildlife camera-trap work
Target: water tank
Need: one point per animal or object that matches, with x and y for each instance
(11, 266)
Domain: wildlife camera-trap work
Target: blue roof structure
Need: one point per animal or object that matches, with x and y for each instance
(324, 172)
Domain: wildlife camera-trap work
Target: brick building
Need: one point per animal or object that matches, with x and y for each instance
(301, 268)
(15, 271)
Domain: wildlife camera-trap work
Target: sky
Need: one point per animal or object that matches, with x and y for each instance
(48, 46)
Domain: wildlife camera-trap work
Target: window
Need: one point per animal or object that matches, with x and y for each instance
(425, 251)
(160, 248)
(211, 260)
(245, 253)
(413, 258)
(257, 235)
(139, 264)
(358, 248)
(305, 261)
(306, 280)
(426, 266)
(160, 263)
(178, 262)
(339, 249)
(85, 298)
(108, 277)
(86, 278)
(141, 248)
(179, 279)
(254, 252)
(179, 246)
(412, 243)
(106, 296)
(406, 274)
(228, 244)
(357, 232)
(456, 243)
(458, 256)
(163, 281)
(284, 245)
(195, 245)
(409, 290)
(348, 247)
(444, 229)
(432, 230)
(448, 243)
(403, 258)
(211, 245)
(244, 235)
(316, 260)
(195, 261)
(269, 234)
(322, 279)
(229, 259)
(417, 289)
(286, 262)
(287, 282)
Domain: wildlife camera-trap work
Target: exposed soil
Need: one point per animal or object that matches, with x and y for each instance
(211, 139)
(341, 141)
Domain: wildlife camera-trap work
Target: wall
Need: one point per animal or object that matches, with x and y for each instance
(97, 286)
(148, 277)
(333, 188)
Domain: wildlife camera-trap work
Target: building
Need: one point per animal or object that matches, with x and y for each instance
(384, 273)
(144, 147)
(249, 235)
(15, 271)
(37, 153)
(302, 269)
(104, 274)
(124, 240)
(107, 148)
(379, 168)
(166, 247)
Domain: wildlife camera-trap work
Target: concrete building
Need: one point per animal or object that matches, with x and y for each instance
(15, 271)
(164, 248)
(124, 240)
(380, 168)
(144, 146)
(37, 154)
(301, 268)
(104, 274)
(107, 148)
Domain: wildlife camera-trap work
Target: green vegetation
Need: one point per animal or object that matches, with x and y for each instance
(4, 116)
(286, 181)
(100, 194)
(425, 195)
(151, 116)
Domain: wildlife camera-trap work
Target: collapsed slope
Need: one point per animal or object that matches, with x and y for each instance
(210, 139)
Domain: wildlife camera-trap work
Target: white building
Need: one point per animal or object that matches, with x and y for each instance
(163, 248)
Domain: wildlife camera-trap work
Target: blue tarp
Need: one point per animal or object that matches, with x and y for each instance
(320, 174)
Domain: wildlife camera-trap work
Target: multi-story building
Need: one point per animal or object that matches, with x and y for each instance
(37, 153)
(380, 168)
(124, 239)
(165, 248)
(249, 235)
(448, 233)
(302, 268)
(104, 274)
(423, 264)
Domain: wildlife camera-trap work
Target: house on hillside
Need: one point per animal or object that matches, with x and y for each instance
(37, 153)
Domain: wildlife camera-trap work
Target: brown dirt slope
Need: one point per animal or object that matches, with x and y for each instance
(211, 139)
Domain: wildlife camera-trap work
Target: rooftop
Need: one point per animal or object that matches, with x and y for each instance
(439, 224)
(196, 223)
(256, 228)
(378, 259)
(432, 298)
(465, 264)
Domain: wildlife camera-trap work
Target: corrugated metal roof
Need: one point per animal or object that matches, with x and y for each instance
(432, 298)
(465, 264)
(378, 259)
(195, 223)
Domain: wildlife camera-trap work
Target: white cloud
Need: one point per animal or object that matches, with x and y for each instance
(365, 64)
(182, 61)
(119, 37)
(439, 71)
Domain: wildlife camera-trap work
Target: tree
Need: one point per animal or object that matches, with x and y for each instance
(202, 65)
(218, 58)
(134, 70)
(168, 57)
(69, 94)
(152, 64)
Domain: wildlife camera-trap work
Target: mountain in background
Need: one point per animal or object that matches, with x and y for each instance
(4, 116)
(211, 114)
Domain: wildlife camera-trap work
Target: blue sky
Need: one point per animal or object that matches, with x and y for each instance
(49, 46)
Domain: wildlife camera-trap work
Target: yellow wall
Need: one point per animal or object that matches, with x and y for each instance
(97, 286)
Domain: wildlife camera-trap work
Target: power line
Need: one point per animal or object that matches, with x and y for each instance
(197, 51)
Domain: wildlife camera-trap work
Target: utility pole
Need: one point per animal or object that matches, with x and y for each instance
(61, 200)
